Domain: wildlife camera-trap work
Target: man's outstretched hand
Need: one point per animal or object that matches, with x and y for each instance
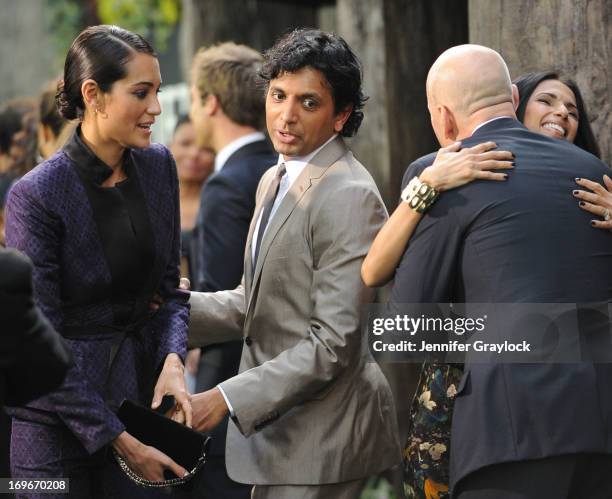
(209, 409)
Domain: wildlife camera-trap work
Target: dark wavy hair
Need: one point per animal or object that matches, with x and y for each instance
(99, 53)
(19, 115)
(527, 83)
(329, 54)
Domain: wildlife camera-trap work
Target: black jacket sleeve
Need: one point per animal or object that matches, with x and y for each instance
(33, 356)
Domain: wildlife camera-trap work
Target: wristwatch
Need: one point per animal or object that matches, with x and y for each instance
(418, 195)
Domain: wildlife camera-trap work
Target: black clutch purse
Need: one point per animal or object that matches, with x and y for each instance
(185, 446)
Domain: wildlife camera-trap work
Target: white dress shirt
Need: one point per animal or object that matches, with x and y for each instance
(224, 154)
(489, 121)
(294, 165)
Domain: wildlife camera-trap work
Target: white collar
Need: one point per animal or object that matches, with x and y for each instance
(303, 160)
(487, 122)
(224, 154)
(295, 164)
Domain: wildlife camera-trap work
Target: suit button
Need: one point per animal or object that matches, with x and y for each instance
(248, 341)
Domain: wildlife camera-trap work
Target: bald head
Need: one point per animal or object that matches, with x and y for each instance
(468, 78)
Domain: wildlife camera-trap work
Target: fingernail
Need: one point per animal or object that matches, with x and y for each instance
(513, 156)
(577, 179)
(505, 176)
(575, 193)
(593, 223)
(581, 203)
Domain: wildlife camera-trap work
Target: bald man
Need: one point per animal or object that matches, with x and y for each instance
(518, 431)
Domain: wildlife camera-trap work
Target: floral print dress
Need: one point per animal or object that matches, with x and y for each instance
(427, 451)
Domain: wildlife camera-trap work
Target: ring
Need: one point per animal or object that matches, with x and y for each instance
(606, 214)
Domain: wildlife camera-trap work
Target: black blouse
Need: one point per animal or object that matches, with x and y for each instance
(123, 224)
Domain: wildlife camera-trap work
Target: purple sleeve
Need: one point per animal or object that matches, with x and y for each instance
(37, 232)
(172, 320)
(34, 229)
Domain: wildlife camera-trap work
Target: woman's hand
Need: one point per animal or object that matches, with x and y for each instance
(144, 460)
(598, 202)
(453, 167)
(171, 381)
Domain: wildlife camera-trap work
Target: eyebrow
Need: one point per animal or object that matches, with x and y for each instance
(146, 83)
(307, 95)
(555, 96)
(310, 95)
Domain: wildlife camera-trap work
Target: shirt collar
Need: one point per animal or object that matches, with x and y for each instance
(489, 121)
(87, 163)
(303, 160)
(225, 152)
(296, 164)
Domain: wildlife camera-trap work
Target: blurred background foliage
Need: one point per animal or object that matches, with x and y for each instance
(154, 19)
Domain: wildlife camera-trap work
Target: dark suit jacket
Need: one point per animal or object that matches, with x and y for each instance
(49, 217)
(33, 357)
(226, 209)
(524, 240)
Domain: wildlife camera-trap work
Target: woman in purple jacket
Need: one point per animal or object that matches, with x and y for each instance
(100, 221)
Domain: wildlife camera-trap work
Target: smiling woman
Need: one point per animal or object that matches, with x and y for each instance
(100, 221)
(554, 106)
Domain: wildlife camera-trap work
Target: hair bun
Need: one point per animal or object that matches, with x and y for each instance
(65, 106)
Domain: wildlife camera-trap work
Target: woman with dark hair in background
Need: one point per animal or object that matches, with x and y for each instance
(193, 164)
(100, 221)
(17, 146)
(23, 144)
(10, 124)
(537, 91)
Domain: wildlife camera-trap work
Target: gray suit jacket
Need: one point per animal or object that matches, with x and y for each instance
(309, 409)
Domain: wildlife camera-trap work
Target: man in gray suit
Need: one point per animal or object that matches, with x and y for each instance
(310, 417)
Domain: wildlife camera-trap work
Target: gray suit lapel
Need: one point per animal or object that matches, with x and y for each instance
(314, 170)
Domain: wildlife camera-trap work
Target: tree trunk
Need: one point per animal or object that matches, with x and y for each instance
(416, 34)
(257, 23)
(25, 51)
(360, 23)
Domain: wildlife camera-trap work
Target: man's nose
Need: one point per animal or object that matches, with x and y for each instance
(288, 112)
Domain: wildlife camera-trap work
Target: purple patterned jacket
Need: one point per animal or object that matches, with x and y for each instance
(49, 217)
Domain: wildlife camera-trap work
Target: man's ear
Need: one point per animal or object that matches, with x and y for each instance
(211, 104)
(449, 124)
(515, 97)
(342, 117)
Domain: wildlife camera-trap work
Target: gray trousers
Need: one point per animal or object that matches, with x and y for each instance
(342, 490)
